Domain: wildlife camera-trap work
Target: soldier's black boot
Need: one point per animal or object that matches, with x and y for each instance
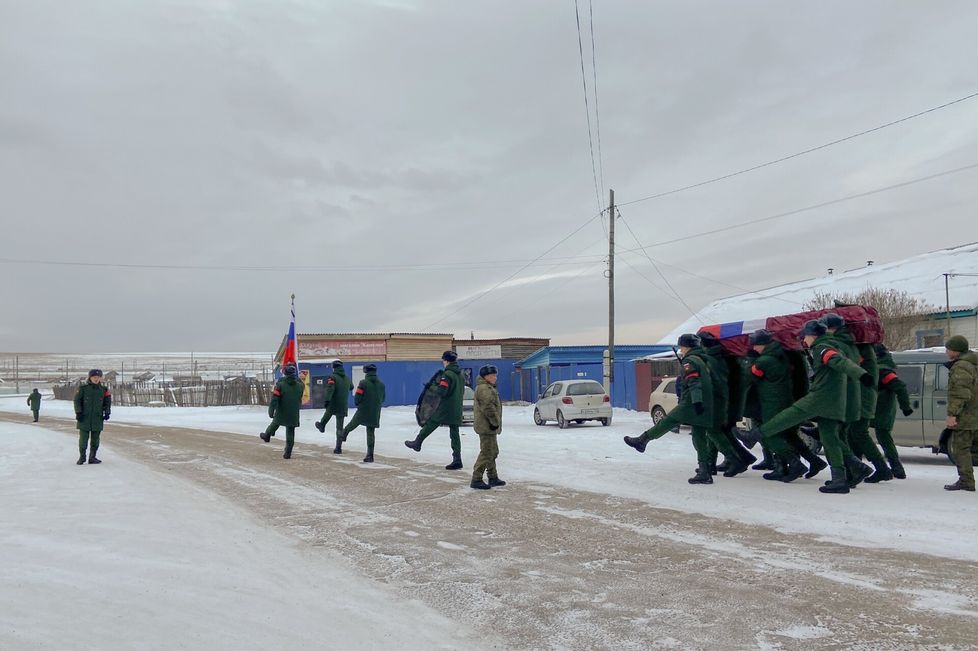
(321, 426)
(735, 468)
(91, 457)
(767, 463)
(339, 444)
(456, 463)
(637, 442)
(481, 485)
(496, 481)
(837, 484)
(742, 453)
(858, 471)
(751, 437)
(288, 452)
(722, 467)
(793, 469)
(81, 460)
(702, 475)
(883, 473)
(369, 458)
(264, 436)
(414, 445)
(815, 463)
(780, 469)
(897, 468)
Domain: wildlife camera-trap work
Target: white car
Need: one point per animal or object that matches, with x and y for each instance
(663, 399)
(573, 401)
(468, 406)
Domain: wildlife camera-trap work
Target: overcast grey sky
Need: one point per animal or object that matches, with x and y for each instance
(298, 133)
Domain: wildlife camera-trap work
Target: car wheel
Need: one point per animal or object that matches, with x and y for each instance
(561, 421)
(658, 413)
(579, 421)
(605, 421)
(537, 419)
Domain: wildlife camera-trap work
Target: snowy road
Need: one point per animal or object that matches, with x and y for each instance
(539, 565)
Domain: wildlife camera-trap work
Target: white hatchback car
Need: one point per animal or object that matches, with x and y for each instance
(573, 401)
(663, 399)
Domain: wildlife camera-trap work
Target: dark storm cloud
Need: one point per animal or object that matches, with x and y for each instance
(304, 133)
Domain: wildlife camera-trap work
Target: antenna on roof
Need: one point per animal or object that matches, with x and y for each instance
(869, 263)
(831, 270)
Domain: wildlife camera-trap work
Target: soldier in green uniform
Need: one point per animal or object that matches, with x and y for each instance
(695, 409)
(860, 406)
(451, 388)
(770, 392)
(34, 400)
(93, 405)
(338, 388)
(488, 425)
(891, 390)
(727, 402)
(962, 410)
(825, 403)
(284, 408)
(369, 399)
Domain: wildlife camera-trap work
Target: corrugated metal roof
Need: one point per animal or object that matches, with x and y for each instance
(586, 354)
(375, 334)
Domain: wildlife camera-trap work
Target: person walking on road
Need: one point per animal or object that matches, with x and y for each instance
(284, 408)
(962, 410)
(488, 412)
(93, 405)
(337, 403)
(451, 388)
(369, 399)
(34, 400)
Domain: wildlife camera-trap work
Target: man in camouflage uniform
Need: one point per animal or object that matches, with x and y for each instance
(93, 405)
(284, 408)
(369, 399)
(451, 388)
(891, 390)
(695, 408)
(825, 403)
(488, 425)
(338, 388)
(34, 400)
(962, 410)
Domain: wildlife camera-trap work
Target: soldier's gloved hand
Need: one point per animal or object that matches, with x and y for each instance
(698, 408)
(907, 412)
(78, 417)
(866, 380)
(105, 416)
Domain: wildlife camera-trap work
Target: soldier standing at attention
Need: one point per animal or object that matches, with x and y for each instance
(369, 399)
(284, 408)
(34, 400)
(488, 425)
(962, 410)
(451, 388)
(892, 390)
(337, 403)
(93, 405)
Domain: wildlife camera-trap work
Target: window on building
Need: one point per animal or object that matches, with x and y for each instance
(932, 338)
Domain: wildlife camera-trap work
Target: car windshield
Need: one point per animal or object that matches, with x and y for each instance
(585, 389)
(468, 394)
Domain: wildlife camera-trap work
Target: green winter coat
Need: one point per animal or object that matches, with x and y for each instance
(92, 403)
(846, 344)
(34, 400)
(868, 394)
(720, 376)
(369, 399)
(286, 401)
(697, 386)
(890, 390)
(488, 408)
(451, 388)
(827, 396)
(962, 391)
(770, 381)
(338, 388)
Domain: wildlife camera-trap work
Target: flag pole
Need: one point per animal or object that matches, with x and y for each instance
(296, 343)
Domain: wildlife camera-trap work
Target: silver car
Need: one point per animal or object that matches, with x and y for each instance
(573, 401)
(468, 406)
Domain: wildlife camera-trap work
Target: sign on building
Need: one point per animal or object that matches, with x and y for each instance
(342, 349)
(479, 352)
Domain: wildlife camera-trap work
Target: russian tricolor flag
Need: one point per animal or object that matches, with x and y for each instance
(291, 354)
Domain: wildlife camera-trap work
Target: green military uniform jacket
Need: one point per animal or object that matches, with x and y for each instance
(488, 408)
(451, 388)
(890, 390)
(92, 402)
(34, 400)
(697, 386)
(846, 344)
(962, 391)
(720, 376)
(338, 388)
(369, 399)
(833, 371)
(286, 401)
(868, 394)
(770, 383)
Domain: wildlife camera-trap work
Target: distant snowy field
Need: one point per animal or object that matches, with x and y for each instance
(914, 515)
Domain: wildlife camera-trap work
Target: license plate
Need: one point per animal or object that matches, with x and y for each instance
(589, 411)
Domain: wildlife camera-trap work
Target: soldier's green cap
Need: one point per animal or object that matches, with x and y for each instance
(957, 343)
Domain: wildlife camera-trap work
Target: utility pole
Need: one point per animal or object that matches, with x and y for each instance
(17, 374)
(609, 374)
(947, 306)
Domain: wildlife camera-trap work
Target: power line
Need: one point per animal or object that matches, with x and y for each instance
(597, 114)
(800, 153)
(790, 213)
(512, 275)
(587, 108)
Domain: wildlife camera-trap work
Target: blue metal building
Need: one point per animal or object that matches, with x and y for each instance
(554, 363)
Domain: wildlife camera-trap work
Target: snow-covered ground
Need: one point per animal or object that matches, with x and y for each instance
(912, 515)
(132, 558)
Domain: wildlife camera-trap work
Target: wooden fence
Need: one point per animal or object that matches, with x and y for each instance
(201, 394)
